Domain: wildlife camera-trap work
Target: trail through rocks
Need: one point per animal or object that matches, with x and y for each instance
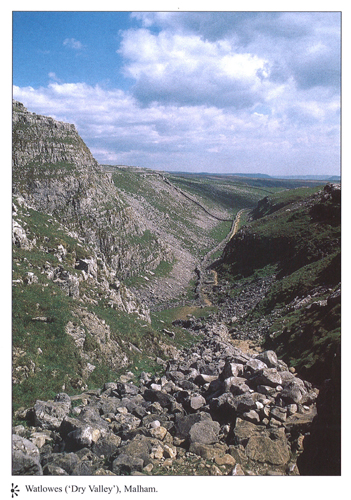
(208, 278)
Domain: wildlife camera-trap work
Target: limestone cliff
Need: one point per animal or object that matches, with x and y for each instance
(54, 172)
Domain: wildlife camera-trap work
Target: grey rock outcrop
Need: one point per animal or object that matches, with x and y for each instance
(54, 172)
(25, 457)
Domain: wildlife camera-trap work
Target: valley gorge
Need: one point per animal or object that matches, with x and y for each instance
(168, 323)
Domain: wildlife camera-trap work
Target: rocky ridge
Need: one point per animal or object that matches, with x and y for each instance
(54, 172)
(73, 236)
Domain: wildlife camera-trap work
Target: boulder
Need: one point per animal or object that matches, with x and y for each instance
(294, 392)
(109, 405)
(208, 451)
(136, 405)
(125, 423)
(196, 402)
(225, 460)
(287, 376)
(244, 403)
(203, 379)
(90, 414)
(106, 445)
(251, 416)
(183, 424)
(268, 376)
(158, 432)
(266, 450)
(238, 471)
(164, 399)
(176, 376)
(236, 385)
(205, 432)
(78, 434)
(146, 448)
(279, 413)
(267, 390)
(124, 465)
(25, 457)
(254, 365)
(49, 415)
(64, 461)
(244, 430)
(232, 370)
(40, 438)
(269, 358)
(53, 470)
(224, 406)
(126, 389)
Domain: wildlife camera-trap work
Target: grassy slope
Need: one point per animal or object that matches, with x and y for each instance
(300, 242)
(229, 193)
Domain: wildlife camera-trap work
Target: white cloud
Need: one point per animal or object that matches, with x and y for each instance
(285, 39)
(72, 43)
(188, 70)
(166, 136)
(54, 77)
(225, 91)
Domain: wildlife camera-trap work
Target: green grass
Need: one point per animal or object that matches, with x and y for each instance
(163, 270)
(221, 230)
(226, 193)
(57, 364)
(300, 282)
(291, 237)
(281, 199)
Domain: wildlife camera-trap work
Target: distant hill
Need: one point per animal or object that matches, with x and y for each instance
(327, 178)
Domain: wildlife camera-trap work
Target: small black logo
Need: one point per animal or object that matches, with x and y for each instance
(14, 490)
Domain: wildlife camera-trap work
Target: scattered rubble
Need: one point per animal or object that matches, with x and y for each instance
(217, 409)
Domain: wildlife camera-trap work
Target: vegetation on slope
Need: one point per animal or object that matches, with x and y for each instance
(295, 236)
(46, 359)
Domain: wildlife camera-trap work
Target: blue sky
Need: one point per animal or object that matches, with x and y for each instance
(192, 91)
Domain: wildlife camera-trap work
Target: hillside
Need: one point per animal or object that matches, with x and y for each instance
(93, 252)
(170, 323)
(294, 241)
(280, 286)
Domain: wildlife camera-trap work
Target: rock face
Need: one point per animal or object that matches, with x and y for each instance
(54, 172)
(173, 422)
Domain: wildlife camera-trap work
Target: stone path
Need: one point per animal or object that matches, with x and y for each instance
(203, 276)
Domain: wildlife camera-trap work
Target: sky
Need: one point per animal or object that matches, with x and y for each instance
(254, 92)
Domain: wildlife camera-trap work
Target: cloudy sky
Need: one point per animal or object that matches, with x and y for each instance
(192, 91)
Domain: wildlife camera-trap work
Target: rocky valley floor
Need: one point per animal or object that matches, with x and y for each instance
(221, 407)
(217, 410)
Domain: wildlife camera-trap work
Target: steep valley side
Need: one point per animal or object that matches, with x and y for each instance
(105, 244)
